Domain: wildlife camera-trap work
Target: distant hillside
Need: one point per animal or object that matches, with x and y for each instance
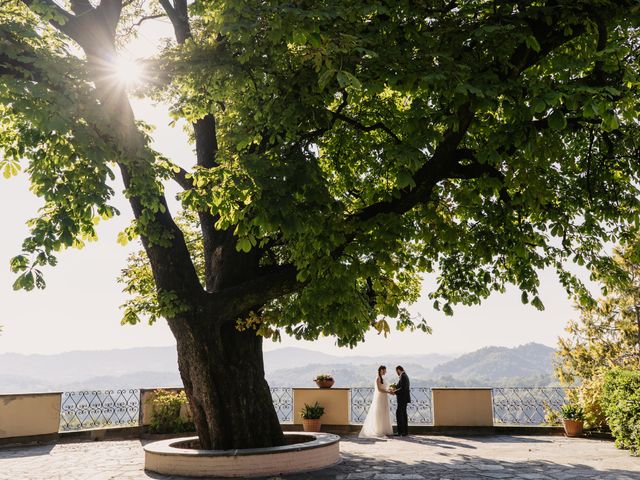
(286, 367)
(497, 363)
(73, 367)
(347, 374)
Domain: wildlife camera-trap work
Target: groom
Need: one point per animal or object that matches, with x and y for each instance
(403, 395)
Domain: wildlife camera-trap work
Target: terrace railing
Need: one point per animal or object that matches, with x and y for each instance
(283, 403)
(91, 409)
(419, 410)
(526, 405)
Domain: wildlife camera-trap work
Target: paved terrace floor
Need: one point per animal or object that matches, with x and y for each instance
(414, 458)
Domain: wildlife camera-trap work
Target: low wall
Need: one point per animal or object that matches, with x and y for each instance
(336, 403)
(462, 407)
(31, 415)
(29, 418)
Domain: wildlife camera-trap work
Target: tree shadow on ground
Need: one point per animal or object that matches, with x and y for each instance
(452, 459)
(22, 452)
(465, 467)
(434, 441)
(508, 439)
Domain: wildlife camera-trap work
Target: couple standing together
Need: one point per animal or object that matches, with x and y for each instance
(378, 421)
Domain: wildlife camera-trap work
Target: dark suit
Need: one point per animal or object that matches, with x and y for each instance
(403, 396)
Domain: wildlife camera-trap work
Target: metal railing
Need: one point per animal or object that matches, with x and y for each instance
(283, 403)
(526, 405)
(85, 410)
(419, 410)
(92, 409)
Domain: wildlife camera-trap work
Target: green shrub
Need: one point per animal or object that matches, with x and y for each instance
(167, 407)
(621, 401)
(590, 399)
(551, 415)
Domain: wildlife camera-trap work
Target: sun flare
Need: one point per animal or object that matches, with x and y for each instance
(127, 72)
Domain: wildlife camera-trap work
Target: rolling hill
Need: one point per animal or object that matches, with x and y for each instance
(149, 367)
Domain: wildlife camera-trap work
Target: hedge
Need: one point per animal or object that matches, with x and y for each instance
(621, 402)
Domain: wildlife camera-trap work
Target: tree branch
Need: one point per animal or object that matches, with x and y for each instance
(270, 283)
(148, 17)
(178, 15)
(67, 27)
(180, 176)
(367, 128)
(93, 29)
(80, 7)
(443, 162)
(219, 246)
(439, 167)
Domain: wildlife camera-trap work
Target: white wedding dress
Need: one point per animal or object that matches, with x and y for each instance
(378, 421)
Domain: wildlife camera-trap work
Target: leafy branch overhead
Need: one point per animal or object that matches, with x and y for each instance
(342, 150)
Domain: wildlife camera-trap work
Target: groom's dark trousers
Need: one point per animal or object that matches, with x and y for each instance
(401, 418)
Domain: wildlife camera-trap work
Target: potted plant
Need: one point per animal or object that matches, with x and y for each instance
(311, 415)
(324, 380)
(572, 419)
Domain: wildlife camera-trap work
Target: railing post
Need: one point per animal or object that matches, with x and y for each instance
(30, 417)
(462, 407)
(334, 400)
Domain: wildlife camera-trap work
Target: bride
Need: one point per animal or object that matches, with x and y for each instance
(378, 421)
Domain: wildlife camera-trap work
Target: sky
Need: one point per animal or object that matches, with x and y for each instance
(79, 309)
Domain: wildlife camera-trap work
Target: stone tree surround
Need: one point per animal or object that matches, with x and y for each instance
(304, 453)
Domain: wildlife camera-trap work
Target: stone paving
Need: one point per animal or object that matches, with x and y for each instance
(413, 458)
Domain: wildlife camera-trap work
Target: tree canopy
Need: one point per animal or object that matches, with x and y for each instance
(357, 145)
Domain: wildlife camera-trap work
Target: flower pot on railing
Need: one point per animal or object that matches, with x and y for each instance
(324, 381)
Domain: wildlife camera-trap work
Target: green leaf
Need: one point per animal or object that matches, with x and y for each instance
(539, 105)
(243, 245)
(557, 120)
(532, 43)
(610, 122)
(405, 179)
(299, 37)
(346, 79)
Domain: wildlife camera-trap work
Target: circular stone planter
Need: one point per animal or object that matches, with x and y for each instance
(304, 452)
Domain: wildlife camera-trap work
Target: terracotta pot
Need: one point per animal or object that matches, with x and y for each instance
(325, 383)
(572, 428)
(311, 424)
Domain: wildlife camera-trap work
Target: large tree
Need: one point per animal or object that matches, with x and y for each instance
(342, 148)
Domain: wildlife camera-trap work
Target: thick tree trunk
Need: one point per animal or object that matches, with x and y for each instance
(223, 374)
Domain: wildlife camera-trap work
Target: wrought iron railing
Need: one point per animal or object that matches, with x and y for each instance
(419, 410)
(527, 405)
(92, 409)
(283, 403)
(84, 410)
